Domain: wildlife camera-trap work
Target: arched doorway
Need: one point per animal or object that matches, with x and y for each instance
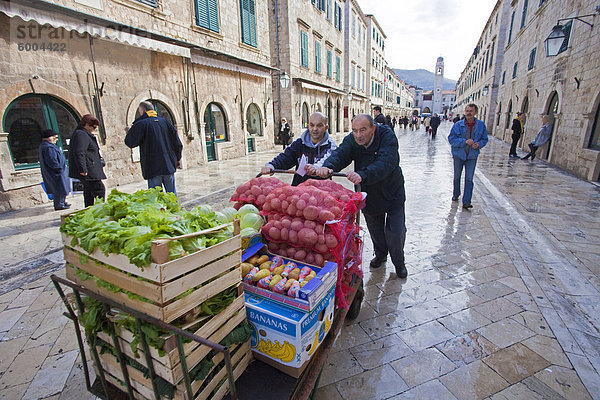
(161, 109)
(338, 116)
(253, 125)
(525, 111)
(426, 110)
(24, 120)
(215, 128)
(304, 115)
(552, 111)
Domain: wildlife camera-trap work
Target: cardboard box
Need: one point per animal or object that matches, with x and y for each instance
(287, 337)
(309, 295)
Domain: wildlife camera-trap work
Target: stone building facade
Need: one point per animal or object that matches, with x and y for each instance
(355, 63)
(376, 62)
(479, 81)
(308, 44)
(207, 67)
(525, 79)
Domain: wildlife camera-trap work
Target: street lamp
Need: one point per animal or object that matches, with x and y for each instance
(284, 80)
(554, 41)
(486, 90)
(349, 96)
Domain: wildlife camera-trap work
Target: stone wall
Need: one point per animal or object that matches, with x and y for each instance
(131, 74)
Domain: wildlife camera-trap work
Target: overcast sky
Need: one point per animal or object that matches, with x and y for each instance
(420, 31)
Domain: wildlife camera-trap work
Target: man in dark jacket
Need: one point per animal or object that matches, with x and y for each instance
(85, 162)
(379, 117)
(517, 128)
(435, 123)
(374, 150)
(313, 147)
(160, 147)
(54, 170)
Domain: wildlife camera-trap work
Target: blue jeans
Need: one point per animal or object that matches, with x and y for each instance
(388, 233)
(168, 181)
(469, 166)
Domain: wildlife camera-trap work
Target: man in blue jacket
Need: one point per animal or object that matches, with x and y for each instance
(466, 137)
(160, 147)
(374, 150)
(54, 169)
(313, 147)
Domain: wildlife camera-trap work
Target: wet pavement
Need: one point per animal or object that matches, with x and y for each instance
(502, 301)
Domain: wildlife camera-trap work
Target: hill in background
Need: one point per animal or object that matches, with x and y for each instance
(423, 78)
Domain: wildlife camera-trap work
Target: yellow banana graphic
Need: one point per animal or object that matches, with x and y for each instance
(315, 343)
(327, 324)
(291, 352)
(278, 350)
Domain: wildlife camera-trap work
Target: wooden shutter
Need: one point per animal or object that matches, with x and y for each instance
(207, 14)
(247, 8)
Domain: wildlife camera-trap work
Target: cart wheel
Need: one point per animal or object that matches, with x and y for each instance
(354, 309)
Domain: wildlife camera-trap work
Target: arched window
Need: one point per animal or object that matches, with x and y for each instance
(254, 121)
(508, 115)
(161, 109)
(24, 120)
(595, 137)
(304, 115)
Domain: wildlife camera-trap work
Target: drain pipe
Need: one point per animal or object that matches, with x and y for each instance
(275, 127)
(98, 92)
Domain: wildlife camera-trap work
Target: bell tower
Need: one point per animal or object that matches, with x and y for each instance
(438, 83)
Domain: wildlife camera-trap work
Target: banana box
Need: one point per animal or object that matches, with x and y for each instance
(286, 338)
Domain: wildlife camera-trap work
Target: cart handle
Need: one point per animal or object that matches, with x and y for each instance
(289, 171)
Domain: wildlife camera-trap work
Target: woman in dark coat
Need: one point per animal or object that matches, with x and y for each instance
(85, 162)
(54, 169)
(284, 133)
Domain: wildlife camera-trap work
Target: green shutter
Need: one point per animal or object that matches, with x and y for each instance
(329, 64)
(304, 49)
(338, 68)
(247, 11)
(207, 14)
(317, 57)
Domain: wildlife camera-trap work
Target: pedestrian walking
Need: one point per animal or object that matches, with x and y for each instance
(312, 147)
(394, 124)
(85, 162)
(160, 147)
(517, 128)
(54, 170)
(456, 119)
(405, 121)
(466, 137)
(388, 121)
(378, 116)
(435, 123)
(284, 133)
(541, 138)
(427, 123)
(374, 150)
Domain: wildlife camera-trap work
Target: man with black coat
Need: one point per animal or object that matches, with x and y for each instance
(160, 147)
(435, 123)
(54, 170)
(85, 162)
(374, 150)
(379, 117)
(517, 128)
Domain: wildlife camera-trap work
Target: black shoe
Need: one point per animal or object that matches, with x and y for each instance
(67, 204)
(65, 207)
(401, 271)
(377, 262)
(454, 198)
(533, 157)
(466, 206)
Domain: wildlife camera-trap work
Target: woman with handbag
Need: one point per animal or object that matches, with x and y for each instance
(85, 162)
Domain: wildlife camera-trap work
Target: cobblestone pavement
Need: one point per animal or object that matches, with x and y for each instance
(501, 301)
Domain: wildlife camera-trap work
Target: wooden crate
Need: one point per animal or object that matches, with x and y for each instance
(142, 387)
(162, 281)
(168, 366)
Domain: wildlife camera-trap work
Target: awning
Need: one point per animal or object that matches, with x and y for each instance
(214, 63)
(313, 87)
(125, 36)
